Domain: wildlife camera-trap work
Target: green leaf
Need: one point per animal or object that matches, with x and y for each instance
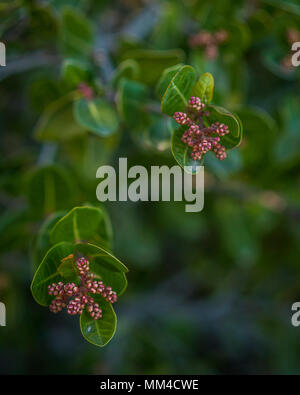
(76, 33)
(99, 332)
(43, 242)
(165, 79)
(220, 114)
(47, 272)
(57, 122)
(182, 152)
(131, 100)
(153, 62)
(74, 72)
(97, 116)
(204, 88)
(86, 224)
(179, 91)
(48, 190)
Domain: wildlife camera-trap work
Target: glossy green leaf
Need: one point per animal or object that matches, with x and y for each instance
(165, 79)
(204, 88)
(96, 115)
(153, 62)
(57, 122)
(182, 152)
(47, 272)
(84, 224)
(179, 91)
(99, 332)
(220, 114)
(49, 190)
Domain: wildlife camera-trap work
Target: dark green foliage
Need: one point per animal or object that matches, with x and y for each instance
(87, 82)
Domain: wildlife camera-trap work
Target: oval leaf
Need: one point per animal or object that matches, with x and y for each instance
(84, 224)
(204, 88)
(166, 78)
(97, 116)
(179, 91)
(99, 332)
(48, 273)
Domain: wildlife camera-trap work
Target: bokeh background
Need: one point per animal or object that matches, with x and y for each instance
(209, 292)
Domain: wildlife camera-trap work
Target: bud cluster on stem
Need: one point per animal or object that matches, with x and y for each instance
(80, 293)
(200, 138)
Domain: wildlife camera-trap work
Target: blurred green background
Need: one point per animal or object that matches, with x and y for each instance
(208, 292)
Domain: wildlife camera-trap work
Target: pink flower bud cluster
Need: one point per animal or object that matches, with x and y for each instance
(200, 138)
(196, 104)
(88, 285)
(83, 266)
(97, 287)
(209, 41)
